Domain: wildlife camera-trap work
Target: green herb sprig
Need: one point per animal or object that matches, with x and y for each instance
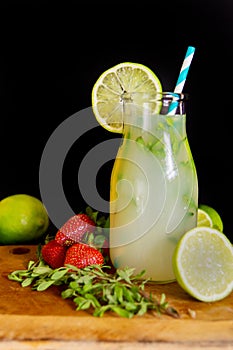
(94, 288)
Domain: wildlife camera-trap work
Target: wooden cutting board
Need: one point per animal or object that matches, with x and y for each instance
(35, 319)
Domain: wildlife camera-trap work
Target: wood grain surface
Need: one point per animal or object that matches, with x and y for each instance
(43, 320)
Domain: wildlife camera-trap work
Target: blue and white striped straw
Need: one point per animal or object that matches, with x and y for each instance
(182, 77)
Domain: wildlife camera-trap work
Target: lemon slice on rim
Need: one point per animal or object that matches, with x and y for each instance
(203, 264)
(123, 83)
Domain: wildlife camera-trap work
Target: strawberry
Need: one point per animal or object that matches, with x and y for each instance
(63, 240)
(74, 229)
(82, 255)
(54, 254)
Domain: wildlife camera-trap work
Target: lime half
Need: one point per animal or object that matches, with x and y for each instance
(208, 216)
(203, 219)
(203, 264)
(123, 83)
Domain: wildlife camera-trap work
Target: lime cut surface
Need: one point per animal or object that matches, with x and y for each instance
(208, 216)
(120, 84)
(203, 219)
(203, 264)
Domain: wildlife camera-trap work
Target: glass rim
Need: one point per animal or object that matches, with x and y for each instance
(174, 95)
(163, 95)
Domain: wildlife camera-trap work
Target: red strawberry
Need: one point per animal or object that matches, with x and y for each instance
(74, 229)
(82, 255)
(54, 254)
(63, 240)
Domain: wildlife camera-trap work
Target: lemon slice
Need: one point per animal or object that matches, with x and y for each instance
(123, 83)
(208, 216)
(203, 264)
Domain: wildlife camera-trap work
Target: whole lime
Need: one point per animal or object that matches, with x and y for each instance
(23, 219)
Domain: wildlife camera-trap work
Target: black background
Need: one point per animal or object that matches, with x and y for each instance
(51, 55)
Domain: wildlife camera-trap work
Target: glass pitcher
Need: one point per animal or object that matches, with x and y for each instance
(153, 188)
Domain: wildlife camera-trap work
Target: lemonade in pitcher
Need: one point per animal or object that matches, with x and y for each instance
(153, 192)
(153, 187)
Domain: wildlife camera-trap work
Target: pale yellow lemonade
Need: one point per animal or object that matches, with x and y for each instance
(153, 194)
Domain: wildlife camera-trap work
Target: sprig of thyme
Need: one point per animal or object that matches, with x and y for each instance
(95, 289)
